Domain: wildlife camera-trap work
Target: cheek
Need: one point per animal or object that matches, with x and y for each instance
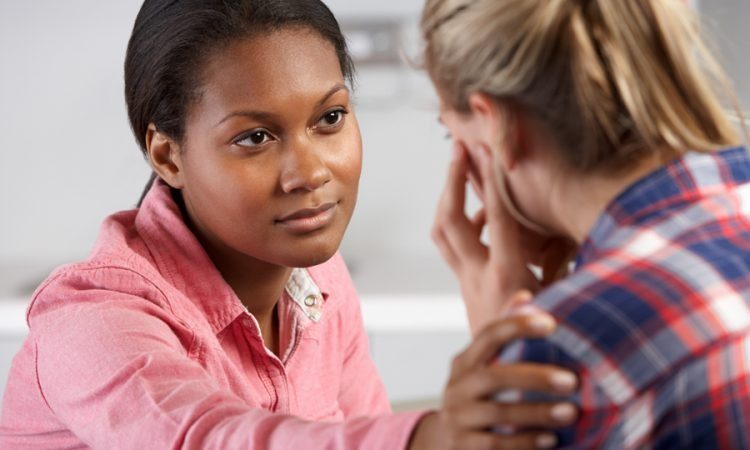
(347, 165)
(226, 192)
(525, 189)
(352, 169)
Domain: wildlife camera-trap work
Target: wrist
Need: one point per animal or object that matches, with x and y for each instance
(427, 433)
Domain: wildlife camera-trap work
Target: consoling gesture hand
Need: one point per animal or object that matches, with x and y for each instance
(470, 414)
(488, 274)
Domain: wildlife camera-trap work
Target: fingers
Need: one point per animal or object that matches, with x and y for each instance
(450, 200)
(472, 413)
(489, 414)
(454, 196)
(439, 431)
(518, 376)
(455, 235)
(475, 179)
(491, 339)
(446, 251)
(479, 220)
(500, 224)
(519, 300)
(493, 441)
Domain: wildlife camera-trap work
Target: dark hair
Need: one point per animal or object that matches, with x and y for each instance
(172, 40)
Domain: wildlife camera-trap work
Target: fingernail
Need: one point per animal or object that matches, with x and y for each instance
(523, 296)
(546, 441)
(563, 381)
(563, 413)
(542, 323)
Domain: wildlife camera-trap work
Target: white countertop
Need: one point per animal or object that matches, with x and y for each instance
(13, 316)
(414, 313)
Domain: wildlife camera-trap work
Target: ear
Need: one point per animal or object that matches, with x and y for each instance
(164, 157)
(500, 126)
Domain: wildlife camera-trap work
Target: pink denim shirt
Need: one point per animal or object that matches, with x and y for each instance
(145, 346)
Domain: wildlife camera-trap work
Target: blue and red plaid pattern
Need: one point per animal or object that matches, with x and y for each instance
(656, 317)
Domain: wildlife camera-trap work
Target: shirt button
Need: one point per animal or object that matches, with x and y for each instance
(310, 300)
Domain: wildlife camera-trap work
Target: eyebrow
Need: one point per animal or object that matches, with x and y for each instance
(266, 116)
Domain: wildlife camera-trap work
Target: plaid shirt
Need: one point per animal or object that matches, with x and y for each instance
(656, 317)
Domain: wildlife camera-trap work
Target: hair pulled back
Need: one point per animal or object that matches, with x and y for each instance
(613, 80)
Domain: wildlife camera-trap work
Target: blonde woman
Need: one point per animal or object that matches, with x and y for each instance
(601, 123)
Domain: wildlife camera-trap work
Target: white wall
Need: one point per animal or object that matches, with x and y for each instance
(727, 21)
(67, 157)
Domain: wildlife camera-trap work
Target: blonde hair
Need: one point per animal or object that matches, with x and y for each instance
(613, 80)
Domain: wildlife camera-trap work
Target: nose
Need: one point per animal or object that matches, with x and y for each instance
(304, 168)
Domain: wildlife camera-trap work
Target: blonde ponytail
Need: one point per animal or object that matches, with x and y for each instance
(613, 80)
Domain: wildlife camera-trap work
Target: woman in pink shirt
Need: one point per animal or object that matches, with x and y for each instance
(218, 314)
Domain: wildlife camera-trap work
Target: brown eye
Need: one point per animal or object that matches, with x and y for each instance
(332, 118)
(257, 138)
(254, 138)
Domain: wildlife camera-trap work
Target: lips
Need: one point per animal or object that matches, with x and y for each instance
(309, 219)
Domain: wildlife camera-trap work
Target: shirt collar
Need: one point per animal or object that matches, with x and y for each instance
(179, 257)
(669, 188)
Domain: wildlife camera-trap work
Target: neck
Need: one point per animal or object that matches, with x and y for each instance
(578, 201)
(258, 284)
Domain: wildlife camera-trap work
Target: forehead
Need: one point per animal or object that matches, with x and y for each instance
(270, 69)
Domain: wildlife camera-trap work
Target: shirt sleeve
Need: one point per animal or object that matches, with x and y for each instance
(362, 391)
(117, 374)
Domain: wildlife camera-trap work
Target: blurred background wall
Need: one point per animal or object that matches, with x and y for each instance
(68, 159)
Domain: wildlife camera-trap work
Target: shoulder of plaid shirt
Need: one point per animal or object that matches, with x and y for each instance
(656, 317)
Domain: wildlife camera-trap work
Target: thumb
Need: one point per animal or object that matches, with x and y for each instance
(519, 302)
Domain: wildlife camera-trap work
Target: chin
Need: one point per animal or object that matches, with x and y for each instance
(303, 256)
(310, 260)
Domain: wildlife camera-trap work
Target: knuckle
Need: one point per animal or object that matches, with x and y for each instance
(498, 377)
(448, 417)
(457, 363)
(502, 330)
(454, 441)
(437, 234)
(532, 415)
(454, 215)
(489, 381)
(502, 414)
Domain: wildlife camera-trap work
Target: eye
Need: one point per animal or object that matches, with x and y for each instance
(254, 138)
(332, 118)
